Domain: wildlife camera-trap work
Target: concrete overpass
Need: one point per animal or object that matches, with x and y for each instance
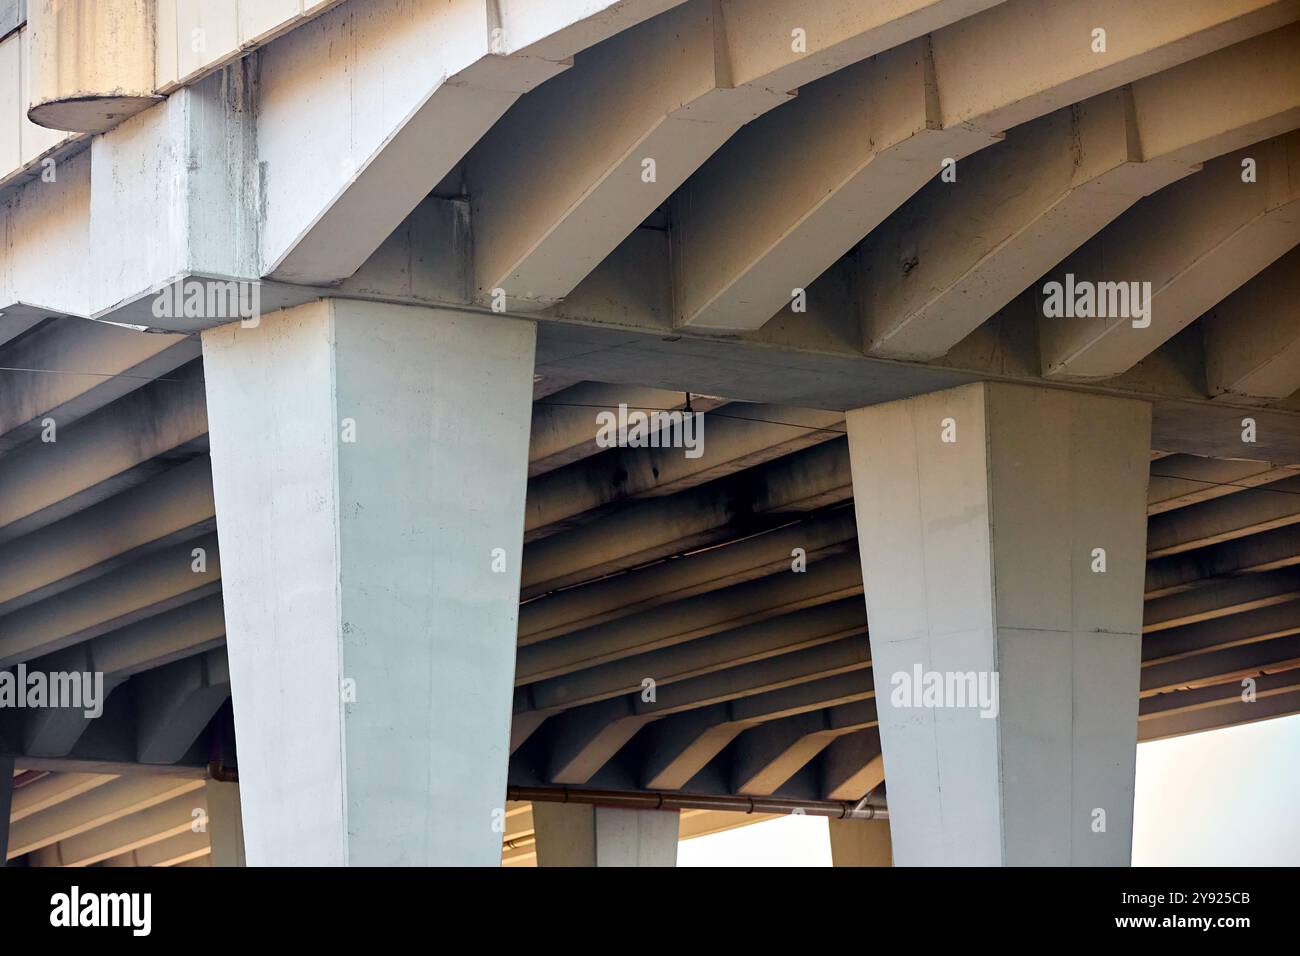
(308, 312)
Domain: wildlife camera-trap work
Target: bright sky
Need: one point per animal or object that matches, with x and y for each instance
(1222, 798)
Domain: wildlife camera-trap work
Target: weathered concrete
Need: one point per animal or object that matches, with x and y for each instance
(984, 561)
(369, 468)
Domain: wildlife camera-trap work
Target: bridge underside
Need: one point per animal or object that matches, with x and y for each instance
(366, 551)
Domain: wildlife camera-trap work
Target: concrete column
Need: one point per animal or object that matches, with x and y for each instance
(225, 823)
(575, 834)
(1002, 536)
(860, 843)
(369, 468)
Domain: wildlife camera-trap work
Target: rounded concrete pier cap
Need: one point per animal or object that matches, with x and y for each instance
(91, 62)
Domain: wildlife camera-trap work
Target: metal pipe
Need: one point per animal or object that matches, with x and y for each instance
(652, 800)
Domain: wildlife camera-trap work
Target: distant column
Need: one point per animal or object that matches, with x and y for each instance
(225, 823)
(575, 834)
(860, 843)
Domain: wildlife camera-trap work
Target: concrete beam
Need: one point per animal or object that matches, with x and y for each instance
(113, 801)
(1219, 232)
(77, 367)
(1252, 348)
(1220, 666)
(1267, 551)
(175, 702)
(852, 766)
(565, 425)
(583, 739)
(767, 756)
(53, 789)
(152, 585)
(1248, 512)
(751, 644)
(185, 849)
(671, 90)
(1221, 599)
(738, 437)
(1157, 709)
(690, 619)
(103, 454)
(1246, 628)
(414, 87)
(729, 508)
(177, 816)
(959, 251)
(680, 746)
(1181, 480)
(989, 508)
(1239, 712)
(740, 253)
(175, 506)
(641, 589)
(401, 635)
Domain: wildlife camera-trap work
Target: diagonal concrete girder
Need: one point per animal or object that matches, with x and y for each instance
(54, 789)
(824, 582)
(104, 453)
(730, 507)
(1226, 714)
(1249, 627)
(173, 507)
(1154, 709)
(740, 251)
(957, 252)
(152, 585)
(401, 92)
(726, 441)
(852, 765)
(561, 179)
(1217, 230)
(765, 757)
(1252, 338)
(564, 422)
(175, 702)
(751, 644)
(680, 746)
(1250, 511)
(1247, 592)
(153, 642)
(184, 849)
(150, 826)
(583, 739)
(1221, 666)
(703, 571)
(1266, 551)
(103, 805)
(1181, 480)
(77, 367)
